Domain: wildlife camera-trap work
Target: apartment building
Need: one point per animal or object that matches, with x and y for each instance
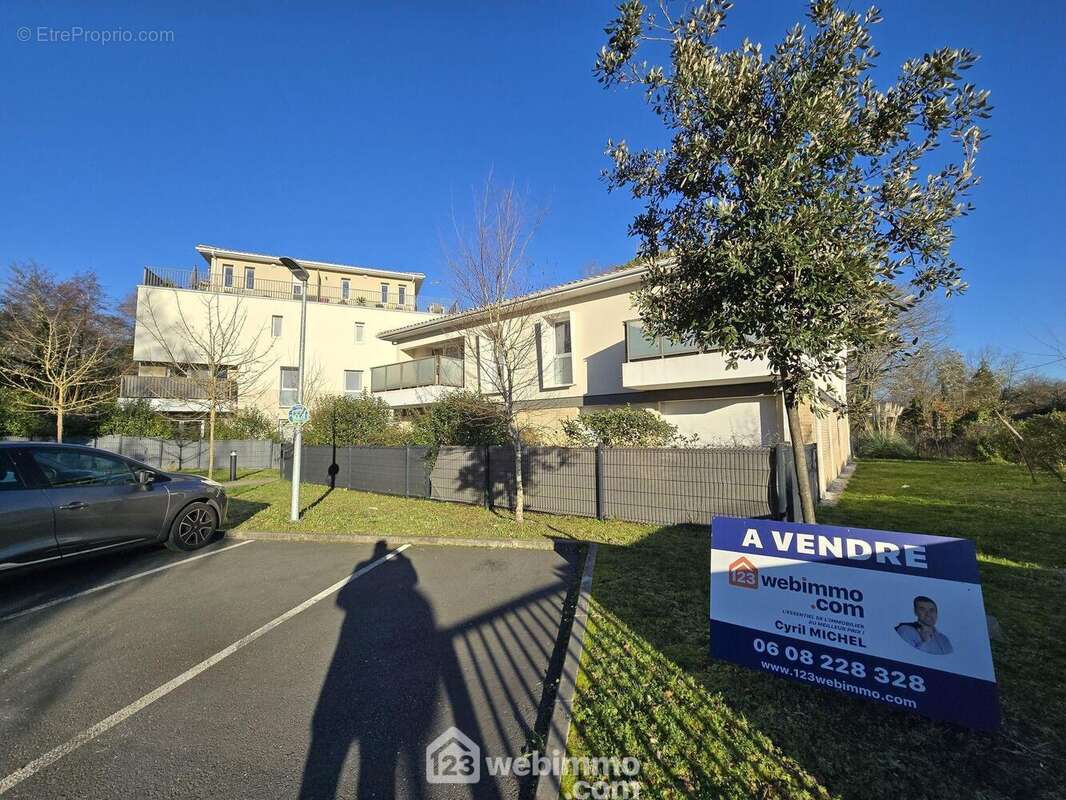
(369, 331)
(591, 352)
(242, 311)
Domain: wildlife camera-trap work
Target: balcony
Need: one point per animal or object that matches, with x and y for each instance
(658, 363)
(208, 281)
(417, 382)
(172, 393)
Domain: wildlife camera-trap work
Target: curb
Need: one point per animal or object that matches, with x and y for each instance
(838, 485)
(550, 784)
(446, 541)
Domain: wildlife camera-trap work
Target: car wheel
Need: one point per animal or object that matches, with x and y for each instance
(193, 527)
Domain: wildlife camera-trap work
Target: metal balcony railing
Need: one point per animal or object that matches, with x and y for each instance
(214, 281)
(429, 371)
(135, 387)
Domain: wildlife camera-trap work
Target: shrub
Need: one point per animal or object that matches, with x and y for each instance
(136, 418)
(1045, 437)
(344, 420)
(621, 427)
(464, 418)
(882, 445)
(247, 423)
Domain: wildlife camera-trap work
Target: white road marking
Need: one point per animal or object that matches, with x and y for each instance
(87, 735)
(103, 586)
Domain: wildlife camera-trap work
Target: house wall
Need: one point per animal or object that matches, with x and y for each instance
(331, 346)
(326, 279)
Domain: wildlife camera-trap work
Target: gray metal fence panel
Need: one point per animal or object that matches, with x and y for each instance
(556, 480)
(458, 475)
(377, 469)
(671, 486)
(418, 472)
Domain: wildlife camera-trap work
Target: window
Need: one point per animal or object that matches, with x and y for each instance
(249, 277)
(402, 294)
(353, 381)
(641, 345)
(564, 367)
(227, 276)
(69, 467)
(290, 380)
(346, 289)
(360, 332)
(9, 479)
(384, 294)
(275, 326)
(297, 288)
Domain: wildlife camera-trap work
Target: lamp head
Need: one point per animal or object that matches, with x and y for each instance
(290, 264)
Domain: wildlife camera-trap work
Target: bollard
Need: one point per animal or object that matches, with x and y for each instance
(233, 465)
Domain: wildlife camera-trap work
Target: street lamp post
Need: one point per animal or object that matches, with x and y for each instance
(302, 275)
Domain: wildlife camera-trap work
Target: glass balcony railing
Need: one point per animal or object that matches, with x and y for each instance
(429, 371)
(640, 346)
(134, 387)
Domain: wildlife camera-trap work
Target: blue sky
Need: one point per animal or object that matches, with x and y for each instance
(349, 131)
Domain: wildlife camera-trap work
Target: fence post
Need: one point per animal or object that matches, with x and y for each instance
(780, 481)
(601, 494)
(161, 452)
(406, 471)
(486, 460)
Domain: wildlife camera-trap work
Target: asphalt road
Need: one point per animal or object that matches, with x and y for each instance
(272, 670)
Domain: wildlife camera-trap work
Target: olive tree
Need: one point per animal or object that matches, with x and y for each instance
(795, 194)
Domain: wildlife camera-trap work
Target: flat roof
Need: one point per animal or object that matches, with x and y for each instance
(208, 251)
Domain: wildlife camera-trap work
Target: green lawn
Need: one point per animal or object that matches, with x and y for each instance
(266, 508)
(707, 729)
(222, 473)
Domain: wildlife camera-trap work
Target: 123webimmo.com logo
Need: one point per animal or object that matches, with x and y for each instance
(744, 574)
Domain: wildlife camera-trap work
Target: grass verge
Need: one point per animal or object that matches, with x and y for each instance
(707, 729)
(325, 510)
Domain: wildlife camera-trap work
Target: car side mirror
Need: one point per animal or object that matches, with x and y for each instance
(144, 477)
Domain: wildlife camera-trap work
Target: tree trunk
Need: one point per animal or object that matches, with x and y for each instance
(211, 442)
(519, 488)
(59, 424)
(1019, 443)
(799, 458)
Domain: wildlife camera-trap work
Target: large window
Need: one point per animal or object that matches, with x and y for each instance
(564, 366)
(227, 276)
(69, 467)
(346, 289)
(401, 294)
(275, 326)
(353, 381)
(384, 294)
(297, 288)
(290, 381)
(249, 277)
(360, 332)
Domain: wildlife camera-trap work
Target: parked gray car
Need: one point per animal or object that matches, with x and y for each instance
(59, 501)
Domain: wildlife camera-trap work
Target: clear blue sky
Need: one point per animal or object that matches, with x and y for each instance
(349, 131)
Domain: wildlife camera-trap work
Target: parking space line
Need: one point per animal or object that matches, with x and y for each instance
(87, 735)
(110, 584)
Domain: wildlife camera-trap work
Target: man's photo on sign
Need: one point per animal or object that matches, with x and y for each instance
(922, 633)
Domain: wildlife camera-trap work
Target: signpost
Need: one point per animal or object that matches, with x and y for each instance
(895, 618)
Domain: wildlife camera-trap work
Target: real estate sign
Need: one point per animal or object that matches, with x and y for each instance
(896, 618)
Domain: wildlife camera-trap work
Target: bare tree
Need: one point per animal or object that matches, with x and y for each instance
(920, 330)
(60, 343)
(211, 342)
(490, 272)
